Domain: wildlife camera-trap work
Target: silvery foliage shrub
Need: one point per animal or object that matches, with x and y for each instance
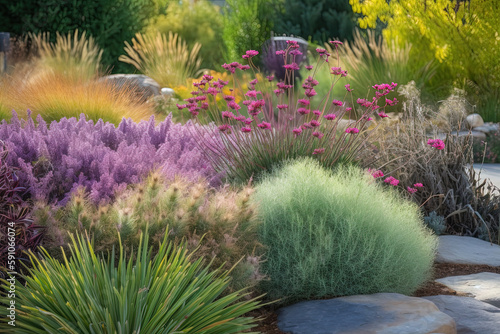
(435, 223)
(54, 160)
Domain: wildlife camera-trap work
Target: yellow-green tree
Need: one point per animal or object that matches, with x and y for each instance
(462, 34)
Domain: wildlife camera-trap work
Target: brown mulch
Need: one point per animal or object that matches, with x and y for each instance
(269, 322)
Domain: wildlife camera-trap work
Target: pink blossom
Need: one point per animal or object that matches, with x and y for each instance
(336, 43)
(418, 185)
(280, 52)
(224, 127)
(336, 70)
(270, 77)
(264, 125)
(309, 67)
(213, 91)
(181, 106)
(295, 52)
(201, 98)
(319, 151)
(252, 93)
(303, 111)
(330, 117)
(394, 182)
(352, 130)
(382, 114)
(244, 67)
(304, 102)
(337, 103)
(227, 114)
(348, 109)
(246, 129)
(377, 174)
(436, 143)
(228, 98)
(278, 91)
(411, 190)
(282, 106)
(250, 54)
(320, 50)
(248, 121)
(204, 105)
(246, 102)
(233, 105)
(389, 179)
(292, 66)
(314, 123)
(318, 134)
(297, 131)
(348, 88)
(317, 112)
(310, 92)
(311, 81)
(292, 44)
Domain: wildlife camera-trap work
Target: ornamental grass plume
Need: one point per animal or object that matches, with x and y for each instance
(277, 121)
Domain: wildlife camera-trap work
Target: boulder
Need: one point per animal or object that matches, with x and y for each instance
(144, 87)
(382, 313)
(474, 120)
(467, 250)
(475, 134)
(486, 128)
(471, 316)
(482, 286)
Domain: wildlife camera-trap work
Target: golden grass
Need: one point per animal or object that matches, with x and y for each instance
(54, 96)
(166, 59)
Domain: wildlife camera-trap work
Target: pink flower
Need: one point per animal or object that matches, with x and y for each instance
(295, 52)
(320, 50)
(418, 185)
(270, 77)
(314, 123)
(233, 105)
(319, 151)
(181, 106)
(348, 109)
(264, 125)
(244, 67)
(227, 114)
(297, 131)
(224, 127)
(208, 77)
(247, 102)
(317, 134)
(336, 43)
(213, 91)
(330, 117)
(337, 103)
(389, 179)
(310, 92)
(377, 174)
(394, 182)
(411, 190)
(303, 111)
(304, 102)
(282, 106)
(352, 130)
(278, 91)
(292, 44)
(228, 98)
(436, 143)
(316, 112)
(280, 52)
(383, 114)
(252, 93)
(292, 66)
(336, 70)
(250, 54)
(309, 67)
(348, 88)
(246, 129)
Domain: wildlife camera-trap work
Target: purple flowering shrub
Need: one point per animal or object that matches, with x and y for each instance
(54, 160)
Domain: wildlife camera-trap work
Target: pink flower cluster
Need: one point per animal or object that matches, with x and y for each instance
(436, 143)
(394, 182)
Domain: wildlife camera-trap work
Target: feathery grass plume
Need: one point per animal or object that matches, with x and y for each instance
(376, 60)
(75, 56)
(220, 224)
(166, 59)
(276, 122)
(54, 95)
(338, 233)
(170, 292)
(450, 186)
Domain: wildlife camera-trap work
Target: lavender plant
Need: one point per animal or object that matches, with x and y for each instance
(279, 122)
(56, 160)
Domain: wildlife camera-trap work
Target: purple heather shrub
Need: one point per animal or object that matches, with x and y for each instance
(54, 160)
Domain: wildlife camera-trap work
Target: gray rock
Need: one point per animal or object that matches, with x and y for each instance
(482, 286)
(486, 128)
(144, 87)
(471, 315)
(475, 134)
(467, 250)
(381, 313)
(474, 120)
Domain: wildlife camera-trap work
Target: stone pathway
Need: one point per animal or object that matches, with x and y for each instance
(476, 311)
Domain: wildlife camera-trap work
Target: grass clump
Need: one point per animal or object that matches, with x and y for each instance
(167, 293)
(337, 234)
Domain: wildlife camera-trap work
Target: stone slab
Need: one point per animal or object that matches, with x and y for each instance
(381, 313)
(467, 250)
(471, 316)
(482, 286)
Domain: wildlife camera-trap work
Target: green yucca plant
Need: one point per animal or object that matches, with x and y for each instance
(164, 294)
(74, 55)
(166, 59)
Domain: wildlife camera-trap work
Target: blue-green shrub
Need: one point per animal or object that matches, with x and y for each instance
(333, 234)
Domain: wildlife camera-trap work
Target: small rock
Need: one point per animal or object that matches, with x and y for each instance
(475, 134)
(482, 286)
(474, 120)
(471, 316)
(467, 250)
(144, 86)
(381, 313)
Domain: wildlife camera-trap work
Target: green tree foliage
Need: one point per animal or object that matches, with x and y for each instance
(319, 20)
(463, 35)
(198, 22)
(109, 22)
(247, 25)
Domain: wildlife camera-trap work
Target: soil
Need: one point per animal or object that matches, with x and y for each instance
(269, 320)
